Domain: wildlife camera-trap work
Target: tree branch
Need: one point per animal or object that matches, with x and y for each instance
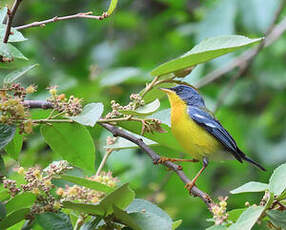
(153, 155)
(11, 14)
(56, 19)
(155, 158)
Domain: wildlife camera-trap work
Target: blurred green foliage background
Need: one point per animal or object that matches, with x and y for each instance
(110, 59)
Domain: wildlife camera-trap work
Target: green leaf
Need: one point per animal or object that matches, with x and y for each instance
(150, 221)
(2, 167)
(16, 36)
(89, 115)
(54, 221)
(252, 186)
(122, 143)
(206, 50)
(277, 184)
(14, 147)
(3, 211)
(23, 200)
(7, 133)
(234, 214)
(217, 227)
(121, 198)
(92, 209)
(278, 218)
(143, 110)
(125, 218)
(142, 214)
(138, 205)
(14, 218)
(9, 51)
(3, 14)
(16, 75)
(248, 218)
(72, 141)
(4, 195)
(112, 6)
(87, 183)
(176, 224)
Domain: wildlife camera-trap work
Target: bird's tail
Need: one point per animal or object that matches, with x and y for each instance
(253, 162)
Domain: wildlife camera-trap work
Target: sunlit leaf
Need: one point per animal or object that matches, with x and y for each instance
(16, 75)
(276, 184)
(112, 6)
(9, 51)
(248, 218)
(89, 115)
(252, 186)
(206, 50)
(73, 142)
(3, 14)
(176, 224)
(16, 36)
(122, 143)
(143, 110)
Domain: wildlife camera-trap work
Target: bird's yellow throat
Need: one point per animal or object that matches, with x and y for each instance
(192, 137)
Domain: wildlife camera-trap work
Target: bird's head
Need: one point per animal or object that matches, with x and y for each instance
(186, 93)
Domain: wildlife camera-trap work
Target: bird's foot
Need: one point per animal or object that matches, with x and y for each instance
(190, 185)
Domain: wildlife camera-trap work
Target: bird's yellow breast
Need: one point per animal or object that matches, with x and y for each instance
(192, 137)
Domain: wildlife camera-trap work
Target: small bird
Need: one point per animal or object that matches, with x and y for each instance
(198, 131)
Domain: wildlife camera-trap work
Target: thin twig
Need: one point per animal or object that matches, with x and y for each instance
(102, 163)
(56, 19)
(155, 158)
(11, 13)
(153, 155)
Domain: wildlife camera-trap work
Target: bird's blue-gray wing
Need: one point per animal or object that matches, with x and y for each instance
(213, 126)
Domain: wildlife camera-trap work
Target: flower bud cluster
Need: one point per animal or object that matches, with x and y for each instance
(152, 125)
(12, 108)
(39, 182)
(135, 101)
(86, 195)
(70, 106)
(219, 211)
(11, 186)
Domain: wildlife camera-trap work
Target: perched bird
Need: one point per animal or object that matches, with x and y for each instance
(198, 131)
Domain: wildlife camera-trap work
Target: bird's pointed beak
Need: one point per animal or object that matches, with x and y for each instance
(166, 90)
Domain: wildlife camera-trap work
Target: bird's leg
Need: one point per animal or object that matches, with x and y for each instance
(191, 184)
(164, 159)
